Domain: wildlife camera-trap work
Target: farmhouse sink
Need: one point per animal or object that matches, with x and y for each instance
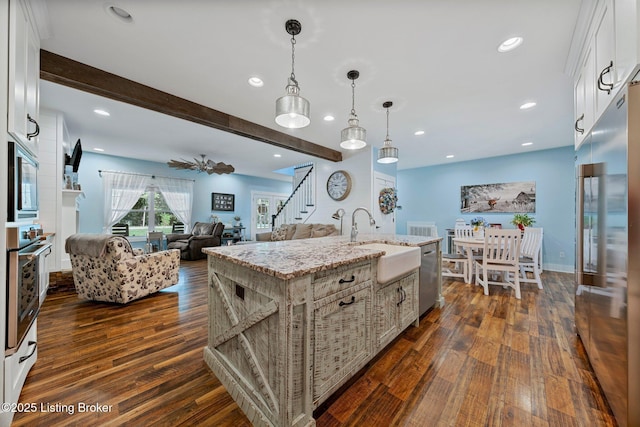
(397, 260)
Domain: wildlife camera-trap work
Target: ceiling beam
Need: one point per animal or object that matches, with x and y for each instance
(67, 72)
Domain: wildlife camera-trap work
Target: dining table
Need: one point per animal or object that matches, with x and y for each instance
(468, 246)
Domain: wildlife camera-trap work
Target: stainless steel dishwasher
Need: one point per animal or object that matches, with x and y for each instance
(429, 276)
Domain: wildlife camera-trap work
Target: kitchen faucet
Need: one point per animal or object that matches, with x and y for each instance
(354, 224)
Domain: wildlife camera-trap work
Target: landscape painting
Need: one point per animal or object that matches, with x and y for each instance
(510, 197)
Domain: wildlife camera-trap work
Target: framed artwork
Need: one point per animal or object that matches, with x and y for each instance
(509, 197)
(222, 202)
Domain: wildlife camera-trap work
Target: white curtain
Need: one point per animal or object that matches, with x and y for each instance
(121, 192)
(178, 193)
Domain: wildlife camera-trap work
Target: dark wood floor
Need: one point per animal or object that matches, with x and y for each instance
(479, 361)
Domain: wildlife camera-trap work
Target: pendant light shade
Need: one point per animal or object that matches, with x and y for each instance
(292, 110)
(388, 153)
(353, 137)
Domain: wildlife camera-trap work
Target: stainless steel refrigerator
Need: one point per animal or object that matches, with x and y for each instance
(607, 299)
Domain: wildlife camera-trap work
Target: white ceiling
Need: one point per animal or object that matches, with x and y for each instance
(437, 61)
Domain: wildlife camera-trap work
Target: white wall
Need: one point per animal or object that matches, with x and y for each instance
(51, 147)
(358, 165)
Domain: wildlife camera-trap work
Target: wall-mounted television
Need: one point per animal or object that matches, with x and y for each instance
(74, 159)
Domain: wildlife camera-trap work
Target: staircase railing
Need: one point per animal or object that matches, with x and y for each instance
(298, 203)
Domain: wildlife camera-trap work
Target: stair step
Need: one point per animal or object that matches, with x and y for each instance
(298, 219)
(304, 211)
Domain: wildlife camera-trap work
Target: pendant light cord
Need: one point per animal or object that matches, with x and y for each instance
(293, 58)
(353, 97)
(387, 123)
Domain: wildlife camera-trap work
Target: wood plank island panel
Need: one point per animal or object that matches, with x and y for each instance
(145, 359)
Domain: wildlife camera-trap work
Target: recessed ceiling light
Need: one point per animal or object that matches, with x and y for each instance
(418, 132)
(101, 112)
(256, 81)
(526, 144)
(98, 149)
(277, 155)
(510, 44)
(120, 14)
(527, 105)
(450, 156)
(329, 118)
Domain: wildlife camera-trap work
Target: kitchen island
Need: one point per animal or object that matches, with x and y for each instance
(292, 321)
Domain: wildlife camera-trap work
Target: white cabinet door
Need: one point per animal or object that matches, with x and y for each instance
(627, 37)
(24, 72)
(18, 25)
(584, 97)
(604, 38)
(579, 106)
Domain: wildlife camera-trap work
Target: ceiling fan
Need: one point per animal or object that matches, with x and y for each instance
(208, 166)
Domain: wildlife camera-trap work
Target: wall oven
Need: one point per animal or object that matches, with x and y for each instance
(25, 255)
(23, 184)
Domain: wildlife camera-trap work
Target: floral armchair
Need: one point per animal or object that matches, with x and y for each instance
(106, 268)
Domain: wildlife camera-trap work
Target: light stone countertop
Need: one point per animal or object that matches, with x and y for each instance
(288, 259)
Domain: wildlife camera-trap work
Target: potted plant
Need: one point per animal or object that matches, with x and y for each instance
(479, 224)
(522, 220)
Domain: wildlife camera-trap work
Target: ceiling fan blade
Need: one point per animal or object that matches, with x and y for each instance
(181, 164)
(222, 168)
(208, 166)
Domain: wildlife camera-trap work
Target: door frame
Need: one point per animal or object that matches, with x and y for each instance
(264, 194)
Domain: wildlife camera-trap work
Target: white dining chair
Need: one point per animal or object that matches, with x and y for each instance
(458, 257)
(501, 253)
(529, 255)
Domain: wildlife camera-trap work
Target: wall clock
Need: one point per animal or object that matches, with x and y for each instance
(339, 185)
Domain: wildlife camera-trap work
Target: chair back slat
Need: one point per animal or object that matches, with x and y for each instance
(178, 227)
(462, 231)
(501, 246)
(120, 229)
(531, 242)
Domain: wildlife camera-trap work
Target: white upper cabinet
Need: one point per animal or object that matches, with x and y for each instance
(610, 49)
(604, 40)
(627, 37)
(584, 93)
(24, 75)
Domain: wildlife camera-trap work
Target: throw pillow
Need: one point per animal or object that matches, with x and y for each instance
(303, 231)
(279, 233)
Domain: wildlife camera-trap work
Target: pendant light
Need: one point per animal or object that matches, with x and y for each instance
(387, 154)
(292, 110)
(354, 137)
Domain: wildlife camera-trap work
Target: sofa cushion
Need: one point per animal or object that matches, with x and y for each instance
(322, 230)
(202, 229)
(291, 230)
(303, 231)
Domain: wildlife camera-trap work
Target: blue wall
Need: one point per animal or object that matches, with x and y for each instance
(433, 194)
(91, 208)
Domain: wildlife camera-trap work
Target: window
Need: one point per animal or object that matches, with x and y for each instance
(150, 213)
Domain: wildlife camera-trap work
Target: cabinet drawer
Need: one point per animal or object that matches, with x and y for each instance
(15, 370)
(331, 281)
(341, 342)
